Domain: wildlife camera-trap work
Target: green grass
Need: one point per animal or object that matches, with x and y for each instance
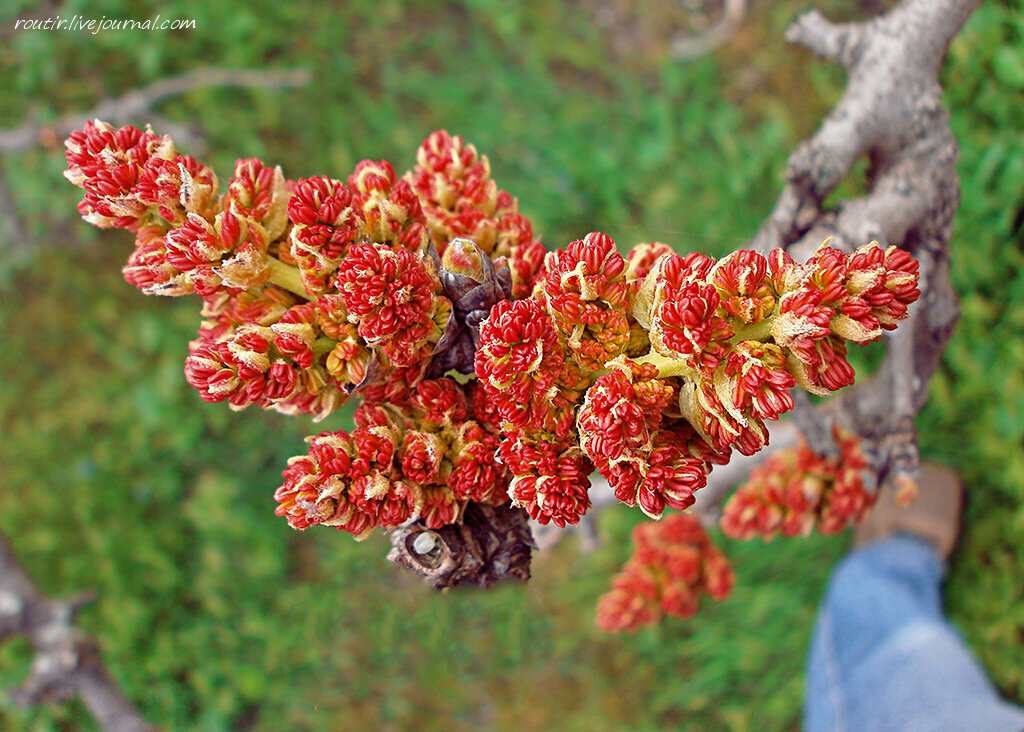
(213, 614)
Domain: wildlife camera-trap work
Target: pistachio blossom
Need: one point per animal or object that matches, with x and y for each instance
(317, 289)
(324, 224)
(796, 491)
(369, 325)
(656, 366)
(395, 299)
(674, 565)
(427, 459)
(461, 200)
(489, 369)
(523, 369)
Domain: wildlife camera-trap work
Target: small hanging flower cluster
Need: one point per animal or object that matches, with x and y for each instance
(796, 491)
(674, 564)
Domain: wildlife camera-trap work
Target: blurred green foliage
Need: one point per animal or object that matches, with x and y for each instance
(213, 613)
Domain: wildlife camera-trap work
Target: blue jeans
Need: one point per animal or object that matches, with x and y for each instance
(883, 657)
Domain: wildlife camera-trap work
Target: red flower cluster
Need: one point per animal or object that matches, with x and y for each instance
(319, 288)
(346, 481)
(648, 455)
(396, 300)
(426, 458)
(324, 224)
(459, 197)
(390, 208)
(797, 490)
(260, 193)
(108, 163)
(833, 298)
(551, 479)
(674, 565)
(206, 257)
(650, 368)
(461, 200)
(681, 359)
(679, 308)
(138, 181)
(520, 359)
(586, 291)
(522, 367)
(353, 255)
(262, 348)
(743, 330)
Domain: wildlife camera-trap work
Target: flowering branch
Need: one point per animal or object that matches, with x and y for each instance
(496, 376)
(650, 368)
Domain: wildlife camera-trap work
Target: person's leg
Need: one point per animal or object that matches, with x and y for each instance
(884, 658)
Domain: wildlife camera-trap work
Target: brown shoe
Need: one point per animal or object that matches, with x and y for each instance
(934, 515)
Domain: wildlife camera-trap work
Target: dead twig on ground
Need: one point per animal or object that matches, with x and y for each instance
(67, 662)
(127, 107)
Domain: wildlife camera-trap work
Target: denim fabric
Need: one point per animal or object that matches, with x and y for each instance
(883, 657)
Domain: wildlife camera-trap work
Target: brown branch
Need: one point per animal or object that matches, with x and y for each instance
(488, 544)
(129, 106)
(891, 111)
(67, 662)
(834, 42)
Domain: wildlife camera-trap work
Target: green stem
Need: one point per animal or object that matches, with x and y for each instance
(667, 366)
(459, 377)
(753, 331)
(323, 345)
(286, 276)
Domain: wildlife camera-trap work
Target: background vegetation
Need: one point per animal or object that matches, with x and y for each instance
(213, 613)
